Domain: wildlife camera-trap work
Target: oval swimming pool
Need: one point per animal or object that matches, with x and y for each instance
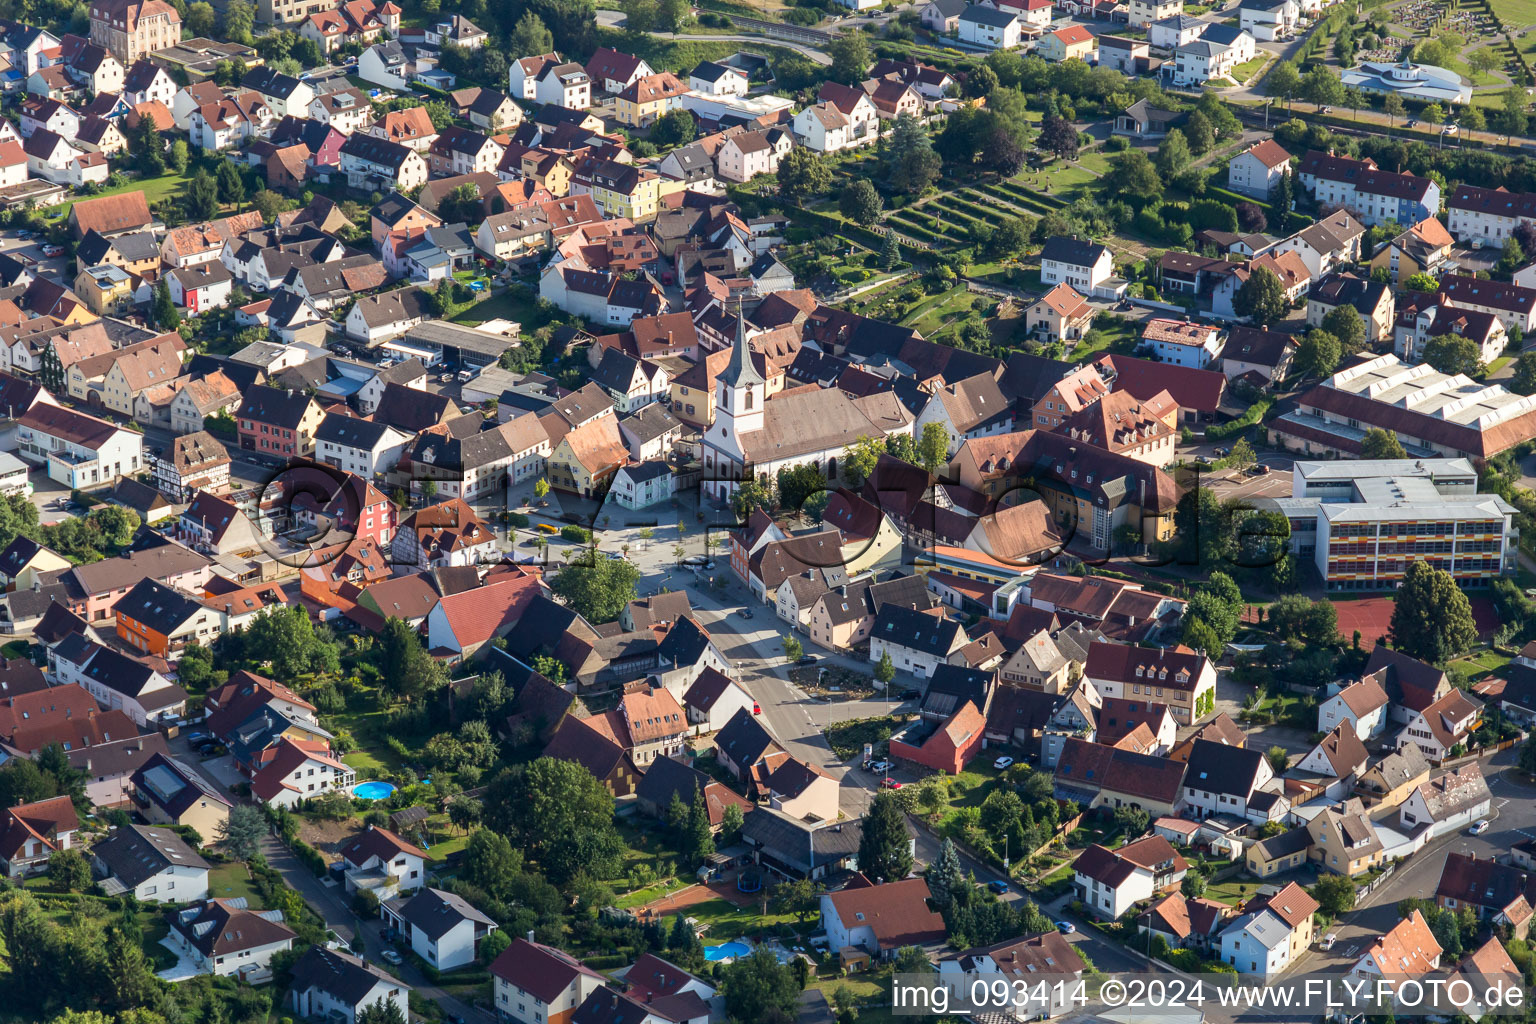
(373, 790)
(726, 951)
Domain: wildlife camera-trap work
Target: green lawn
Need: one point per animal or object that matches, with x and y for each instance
(1248, 69)
(1516, 12)
(518, 305)
(1482, 663)
(726, 921)
(1499, 363)
(227, 881)
(155, 189)
(1094, 160)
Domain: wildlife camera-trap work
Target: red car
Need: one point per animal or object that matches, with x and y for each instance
(757, 708)
(890, 783)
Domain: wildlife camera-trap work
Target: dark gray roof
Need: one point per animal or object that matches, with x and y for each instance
(651, 422)
(1079, 252)
(133, 854)
(990, 16)
(351, 432)
(434, 912)
(342, 976)
(799, 844)
(158, 606)
(910, 628)
(1217, 768)
(744, 739)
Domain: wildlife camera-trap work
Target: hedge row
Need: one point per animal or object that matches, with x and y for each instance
(1252, 415)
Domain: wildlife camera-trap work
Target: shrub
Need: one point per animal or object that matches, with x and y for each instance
(517, 519)
(576, 534)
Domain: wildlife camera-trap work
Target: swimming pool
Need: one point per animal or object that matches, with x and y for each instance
(726, 951)
(373, 790)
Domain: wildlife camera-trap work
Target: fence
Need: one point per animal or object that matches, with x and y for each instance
(781, 30)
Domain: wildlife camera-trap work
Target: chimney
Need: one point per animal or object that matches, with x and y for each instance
(530, 934)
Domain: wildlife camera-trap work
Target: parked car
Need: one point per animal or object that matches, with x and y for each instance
(1328, 941)
(1066, 927)
(745, 613)
(890, 783)
(879, 766)
(390, 956)
(998, 886)
(53, 250)
(911, 693)
(757, 708)
(1479, 827)
(806, 659)
(1003, 762)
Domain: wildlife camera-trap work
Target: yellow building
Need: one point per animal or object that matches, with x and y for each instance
(585, 460)
(107, 290)
(646, 99)
(1422, 249)
(620, 190)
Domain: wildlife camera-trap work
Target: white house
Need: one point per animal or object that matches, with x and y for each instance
(154, 864)
(442, 928)
(880, 919)
(1258, 169)
(640, 485)
(535, 984)
(1362, 705)
(334, 986)
(297, 773)
(1110, 882)
(974, 407)
(1145, 12)
(564, 85)
(1219, 50)
(918, 642)
(1441, 726)
(119, 682)
(1172, 32)
(1222, 779)
(363, 447)
(994, 28)
(1269, 19)
(226, 938)
(718, 79)
(1450, 802)
(745, 156)
(79, 451)
(713, 699)
(1086, 266)
(1182, 342)
(379, 860)
(824, 128)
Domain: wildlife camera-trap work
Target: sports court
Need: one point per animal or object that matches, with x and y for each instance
(1372, 616)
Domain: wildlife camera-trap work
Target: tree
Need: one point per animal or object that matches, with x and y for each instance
(1473, 120)
(753, 494)
(1346, 324)
(1335, 894)
(945, 874)
(1132, 176)
(1451, 354)
(595, 588)
(1431, 616)
(1193, 886)
(240, 834)
(1298, 617)
(885, 848)
(803, 173)
(203, 192)
(860, 203)
(1283, 82)
(68, 870)
(1432, 114)
(1394, 108)
(850, 57)
(933, 447)
(1524, 379)
(462, 203)
(164, 307)
(674, 128)
(406, 670)
(387, 1011)
(1173, 153)
(911, 165)
(890, 251)
(793, 649)
(179, 156)
(1483, 60)
(1261, 298)
(1422, 282)
(1354, 99)
(1133, 821)
(1317, 354)
(1381, 444)
(540, 487)
(885, 668)
(1322, 87)
(1528, 755)
(239, 18)
(1279, 759)
(1199, 132)
(1059, 136)
(199, 19)
(1242, 455)
(490, 863)
(559, 815)
(530, 36)
(758, 988)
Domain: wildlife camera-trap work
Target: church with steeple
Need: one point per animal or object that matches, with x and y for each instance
(755, 436)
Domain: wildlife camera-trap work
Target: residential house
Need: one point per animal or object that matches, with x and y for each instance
(1074, 42)
(155, 865)
(1271, 933)
(1361, 705)
(1447, 803)
(1444, 726)
(537, 984)
(440, 927)
(1181, 678)
(332, 985)
(1221, 779)
(1109, 882)
(990, 27)
(380, 861)
(880, 919)
(224, 937)
(34, 831)
(167, 792)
